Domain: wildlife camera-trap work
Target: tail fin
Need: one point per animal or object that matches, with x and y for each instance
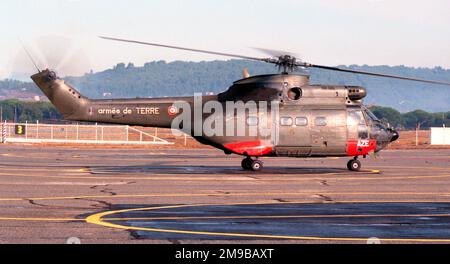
(69, 102)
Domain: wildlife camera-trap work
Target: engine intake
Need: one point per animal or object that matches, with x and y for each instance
(356, 92)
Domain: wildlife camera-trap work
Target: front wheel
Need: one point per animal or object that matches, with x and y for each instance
(257, 165)
(354, 165)
(247, 163)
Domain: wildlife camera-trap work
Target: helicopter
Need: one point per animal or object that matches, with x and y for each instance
(299, 119)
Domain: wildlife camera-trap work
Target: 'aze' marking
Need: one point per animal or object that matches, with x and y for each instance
(363, 143)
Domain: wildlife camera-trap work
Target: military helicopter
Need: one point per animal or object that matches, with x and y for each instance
(310, 121)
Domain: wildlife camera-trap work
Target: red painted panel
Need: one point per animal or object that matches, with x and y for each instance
(360, 147)
(251, 148)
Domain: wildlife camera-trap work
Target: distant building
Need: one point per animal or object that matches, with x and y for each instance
(440, 136)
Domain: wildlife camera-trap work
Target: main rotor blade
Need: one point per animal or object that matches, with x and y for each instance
(29, 56)
(277, 53)
(188, 49)
(289, 64)
(371, 73)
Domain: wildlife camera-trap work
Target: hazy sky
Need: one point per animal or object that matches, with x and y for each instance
(63, 33)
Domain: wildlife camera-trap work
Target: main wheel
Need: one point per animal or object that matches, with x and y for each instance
(354, 165)
(246, 163)
(256, 165)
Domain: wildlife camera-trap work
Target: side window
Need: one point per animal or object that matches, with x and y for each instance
(301, 121)
(286, 121)
(252, 121)
(355, 118)
(320, 121)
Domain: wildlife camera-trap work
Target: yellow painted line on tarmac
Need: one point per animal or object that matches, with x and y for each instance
(227, 194)
(98, 219)
(235, 177)
(424, 168)
(32, 219)
(50, 169)
(246, 194)
(105, 196)
(13, 199)
(425, 177)
(84, 169)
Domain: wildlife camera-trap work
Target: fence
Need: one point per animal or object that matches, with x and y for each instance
(3, 132)
(88, 134)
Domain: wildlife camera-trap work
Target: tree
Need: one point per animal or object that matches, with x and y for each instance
(418, 119)
(393, 116)
(29, 111)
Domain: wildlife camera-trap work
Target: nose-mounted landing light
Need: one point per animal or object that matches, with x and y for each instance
(395, 135)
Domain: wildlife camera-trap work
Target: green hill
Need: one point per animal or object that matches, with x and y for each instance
(156, 79)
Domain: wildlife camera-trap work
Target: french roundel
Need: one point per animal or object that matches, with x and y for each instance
(172, 110)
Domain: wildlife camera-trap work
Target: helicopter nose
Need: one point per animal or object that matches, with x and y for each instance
(394, 135)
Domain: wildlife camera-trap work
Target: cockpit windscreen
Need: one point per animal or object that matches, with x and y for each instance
(370, 114)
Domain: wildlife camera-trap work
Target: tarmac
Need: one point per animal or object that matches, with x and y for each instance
(125, 195)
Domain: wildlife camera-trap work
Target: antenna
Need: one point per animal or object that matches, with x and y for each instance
(29, 56)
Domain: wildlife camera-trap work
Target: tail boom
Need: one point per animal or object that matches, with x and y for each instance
(157, 112)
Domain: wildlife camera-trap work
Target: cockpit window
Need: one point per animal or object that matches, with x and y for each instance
(355, 118)
(370, 114)
(357, 124)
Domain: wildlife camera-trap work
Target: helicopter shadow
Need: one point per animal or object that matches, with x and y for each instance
(211, 170)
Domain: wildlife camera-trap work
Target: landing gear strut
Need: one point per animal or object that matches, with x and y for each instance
(354, 164)
(251, 164)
